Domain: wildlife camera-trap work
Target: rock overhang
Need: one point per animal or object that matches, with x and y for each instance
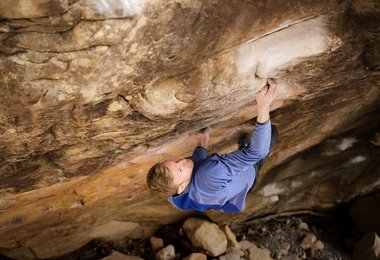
(102, 96)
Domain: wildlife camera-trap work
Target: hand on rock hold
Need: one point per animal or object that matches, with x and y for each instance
(202, 137)
(264, 99)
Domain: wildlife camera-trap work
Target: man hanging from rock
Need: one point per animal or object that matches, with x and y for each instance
(218, 182)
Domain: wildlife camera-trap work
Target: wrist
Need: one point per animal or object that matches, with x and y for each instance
(262, 115)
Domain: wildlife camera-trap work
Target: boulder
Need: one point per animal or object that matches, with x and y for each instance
(206, 235)
(367, 248)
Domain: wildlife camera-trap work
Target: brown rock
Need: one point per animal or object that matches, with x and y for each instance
(115, 255)
(31, 9)
(368, 247)
(196, 256)
(156, 243)
(290, 257)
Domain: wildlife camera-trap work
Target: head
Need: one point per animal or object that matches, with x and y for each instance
(170, 177)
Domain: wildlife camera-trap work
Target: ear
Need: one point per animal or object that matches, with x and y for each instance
(181, 188)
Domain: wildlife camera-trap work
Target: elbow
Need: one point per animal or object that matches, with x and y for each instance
(264, 153)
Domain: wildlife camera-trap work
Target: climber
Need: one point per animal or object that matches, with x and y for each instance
(218, 182)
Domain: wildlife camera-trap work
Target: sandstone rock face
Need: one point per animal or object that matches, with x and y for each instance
(95, 92)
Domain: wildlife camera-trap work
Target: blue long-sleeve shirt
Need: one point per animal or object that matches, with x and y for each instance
(222, 182)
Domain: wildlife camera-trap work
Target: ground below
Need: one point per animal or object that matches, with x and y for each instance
(286, 237)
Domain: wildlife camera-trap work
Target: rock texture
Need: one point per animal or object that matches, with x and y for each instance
(95, 92)
(206, 235)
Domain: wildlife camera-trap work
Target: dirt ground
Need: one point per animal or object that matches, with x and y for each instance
(282, 235)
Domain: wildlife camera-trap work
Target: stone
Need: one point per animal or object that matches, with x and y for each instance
(256, 253)
(231, 238)
(303, 226)
(290, 257)
(366, 213)
(368, 247)
(166, 253)
(156, 243)
(245, 244)
(318, 245)
(308, 240)
(284, 250)
(196, 256)
(232, 253)
(115, 255)
(206, 235)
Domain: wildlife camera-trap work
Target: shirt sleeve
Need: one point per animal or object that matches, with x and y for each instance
(199, 154)
(257, 150)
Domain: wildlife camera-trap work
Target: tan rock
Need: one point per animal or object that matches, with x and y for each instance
(318, 245)
(368, 247)
(303, 226)
(115, 255)
(196, 256)
(245, 244)
(206, 235)
(308, 240)
(231, 237)
(232, 253)
(156, 243)
(166, 253)
(291, 257)
(256, 253)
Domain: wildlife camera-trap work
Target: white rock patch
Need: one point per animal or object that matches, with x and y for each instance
(346, 143)
(271, 189)
(357, 159)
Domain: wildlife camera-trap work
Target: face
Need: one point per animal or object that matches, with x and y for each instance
(182, 171)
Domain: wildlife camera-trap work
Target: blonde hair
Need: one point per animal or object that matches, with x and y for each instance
(160, 181)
